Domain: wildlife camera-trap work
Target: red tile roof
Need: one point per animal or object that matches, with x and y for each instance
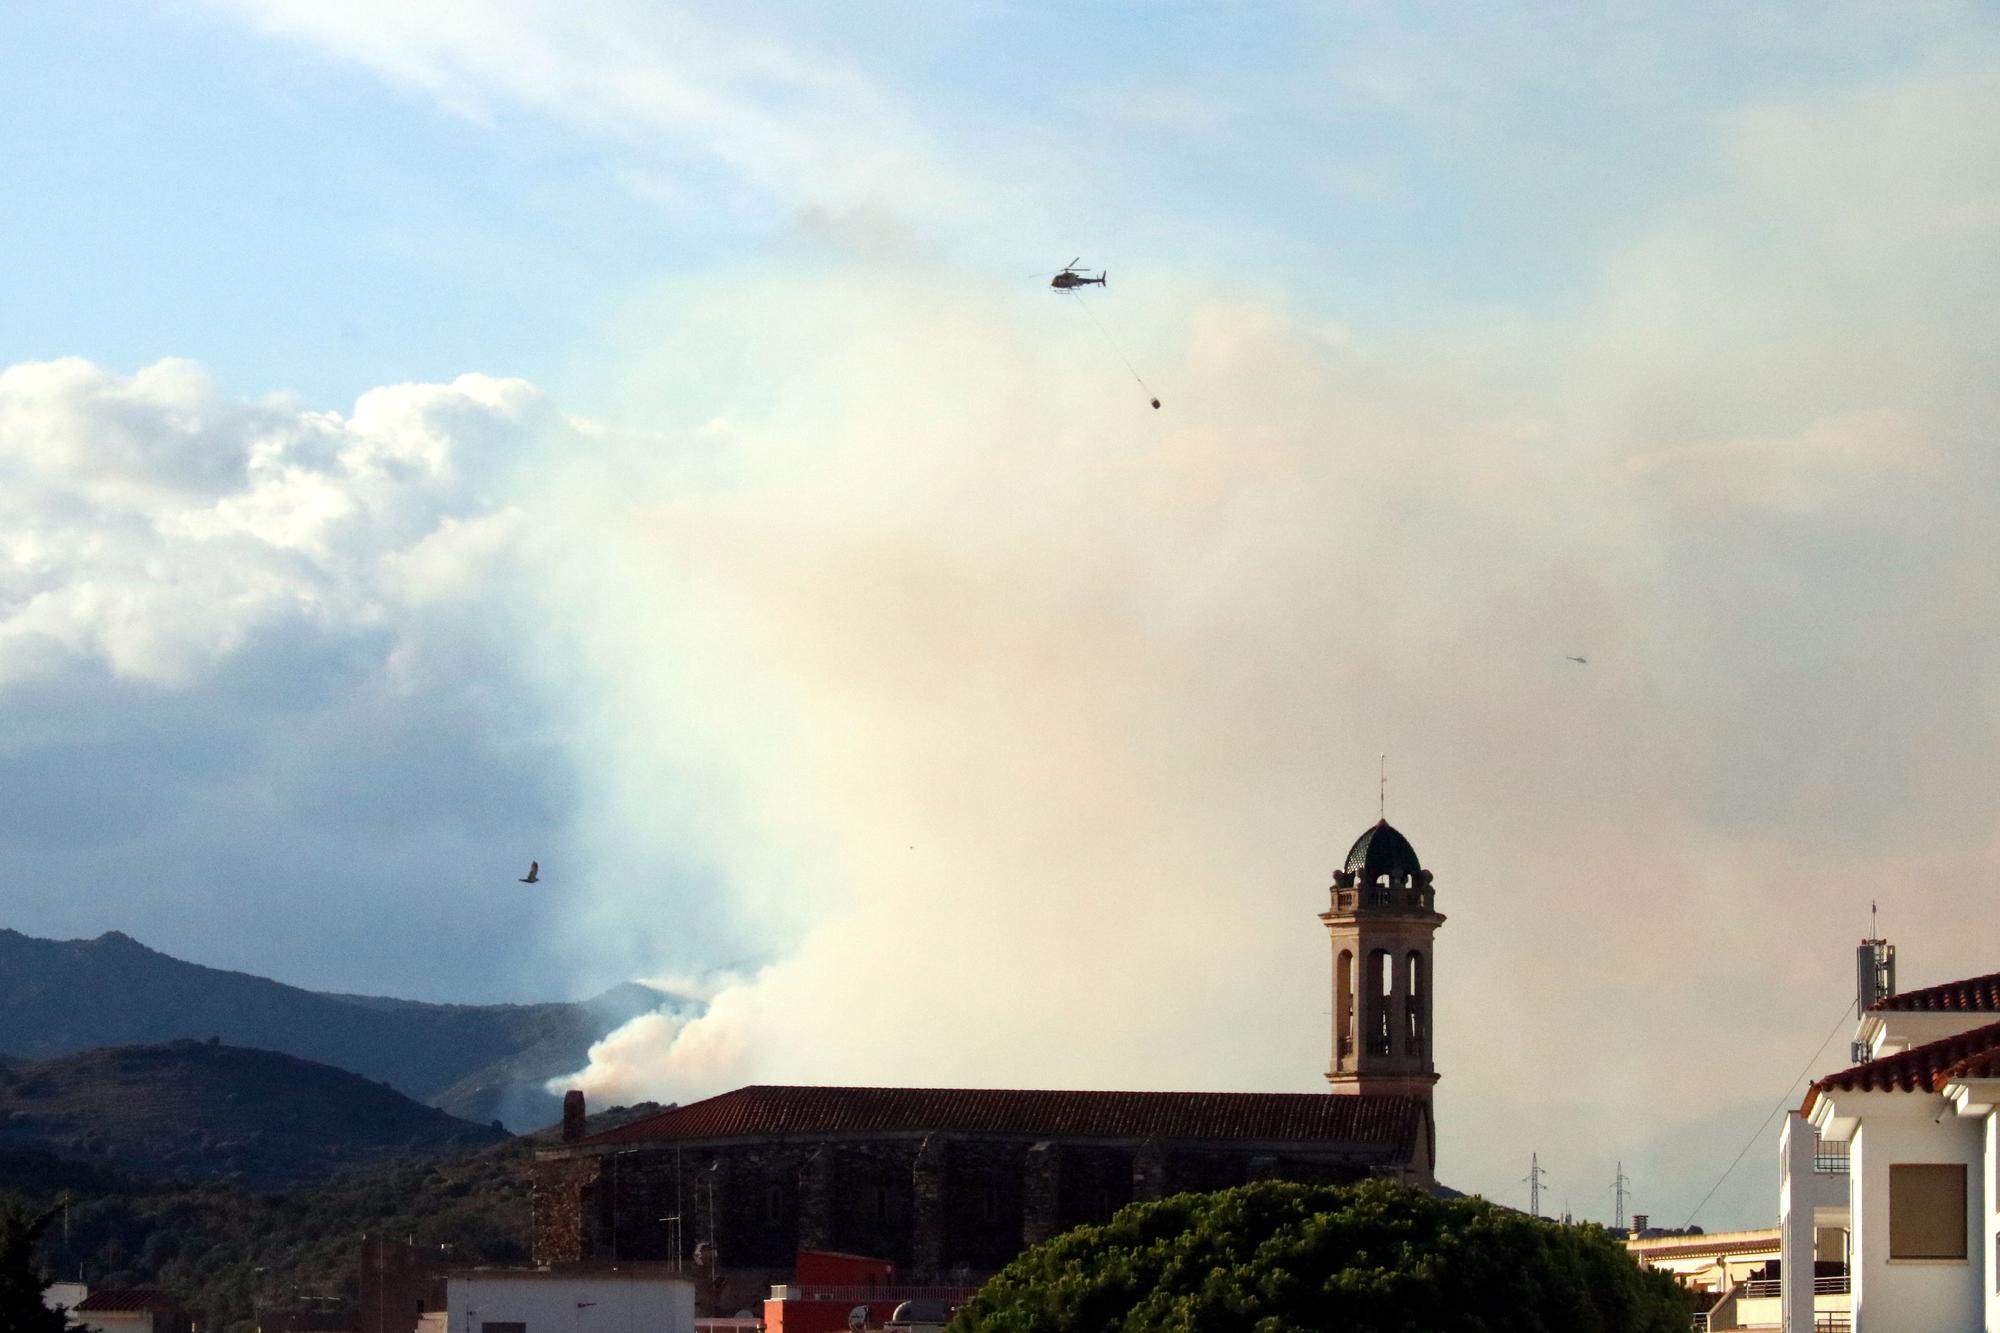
(1981, 1064)
(112, 1300)
(1975, 995)
(1925, 1068)
(759, 1111)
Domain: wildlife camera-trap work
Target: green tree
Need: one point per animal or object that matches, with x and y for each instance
(1367, 1258)
(22, 1277)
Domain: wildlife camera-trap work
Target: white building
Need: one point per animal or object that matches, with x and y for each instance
(540, 1300)
(1888, 1184)
(133, 1310)
(1711, 1262)
(64, 1295)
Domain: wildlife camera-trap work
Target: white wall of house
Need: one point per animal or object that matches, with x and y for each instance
(1813, 1221)
(1903, 1295)
(116, 1321)
(1887, 1031)
(1976, 1101)
(1990, 1233)
(1795, 1219)
(544, 1302)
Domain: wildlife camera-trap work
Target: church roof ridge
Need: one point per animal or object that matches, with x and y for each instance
(759, 1110)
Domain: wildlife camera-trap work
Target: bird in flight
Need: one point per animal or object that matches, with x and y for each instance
(1580, 661)
(534, 875)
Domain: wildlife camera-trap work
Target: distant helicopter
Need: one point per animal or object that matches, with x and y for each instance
(1072, 277)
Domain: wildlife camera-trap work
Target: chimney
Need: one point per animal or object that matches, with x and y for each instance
(1639, 1221)
(572, 1116)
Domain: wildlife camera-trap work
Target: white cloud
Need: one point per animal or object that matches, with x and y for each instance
(155, 524)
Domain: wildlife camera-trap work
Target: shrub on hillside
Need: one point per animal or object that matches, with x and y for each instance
(1367, 1258)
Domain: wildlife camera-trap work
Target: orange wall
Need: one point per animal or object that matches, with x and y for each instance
(821, 1268)
(817, 1316)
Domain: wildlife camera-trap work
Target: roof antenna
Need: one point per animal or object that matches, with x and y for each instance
(1382, 792)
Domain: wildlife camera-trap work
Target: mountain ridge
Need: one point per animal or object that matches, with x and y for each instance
(479, 1062)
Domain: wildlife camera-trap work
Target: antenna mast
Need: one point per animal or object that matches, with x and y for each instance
(1875, 972)
(1382, 791)
(1534, 1181)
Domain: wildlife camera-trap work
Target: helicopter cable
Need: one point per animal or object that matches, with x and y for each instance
(1119, 351)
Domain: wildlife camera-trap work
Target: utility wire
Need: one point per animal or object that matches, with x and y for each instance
(1783, 1102)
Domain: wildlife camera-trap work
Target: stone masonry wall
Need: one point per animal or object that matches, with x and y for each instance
(936, 1207)
(563, 1208)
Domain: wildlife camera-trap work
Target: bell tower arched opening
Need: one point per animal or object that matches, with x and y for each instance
(1343, 1008)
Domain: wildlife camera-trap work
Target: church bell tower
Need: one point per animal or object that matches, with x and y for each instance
(1382, 922)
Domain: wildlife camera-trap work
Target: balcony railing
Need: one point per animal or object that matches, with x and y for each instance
(1757, 1287)
(1830, 1159)
(1832, 1321)
(1411, 899)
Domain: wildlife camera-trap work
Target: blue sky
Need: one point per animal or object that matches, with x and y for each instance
(290, 220)
(434, 436)
(178, 183)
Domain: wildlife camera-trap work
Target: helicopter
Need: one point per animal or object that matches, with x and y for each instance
(1072, 277)
(1070, 280)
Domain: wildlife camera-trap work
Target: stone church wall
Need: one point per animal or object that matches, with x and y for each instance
(933, 1206)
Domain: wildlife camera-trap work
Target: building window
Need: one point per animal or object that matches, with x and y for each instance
(503, 1326)
(774, 1205)
(1926, 1211)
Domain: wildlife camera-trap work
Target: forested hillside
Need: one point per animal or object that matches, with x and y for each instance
(201, 1111)
(226, 1253)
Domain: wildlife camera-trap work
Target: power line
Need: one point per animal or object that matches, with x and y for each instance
(1783, 1102)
